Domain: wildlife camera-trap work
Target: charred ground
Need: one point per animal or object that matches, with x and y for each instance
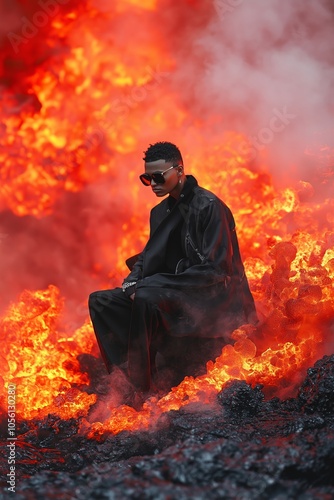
(239, 447)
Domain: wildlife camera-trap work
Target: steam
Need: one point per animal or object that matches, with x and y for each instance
(255, 61)
(113, 388)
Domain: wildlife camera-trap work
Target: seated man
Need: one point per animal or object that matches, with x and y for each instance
(187, 290)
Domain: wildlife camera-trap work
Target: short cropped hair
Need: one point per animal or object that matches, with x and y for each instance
(163, 151)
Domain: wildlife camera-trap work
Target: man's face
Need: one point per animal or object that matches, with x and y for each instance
(171, 176)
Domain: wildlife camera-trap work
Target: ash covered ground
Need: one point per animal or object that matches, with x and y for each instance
(239, 447)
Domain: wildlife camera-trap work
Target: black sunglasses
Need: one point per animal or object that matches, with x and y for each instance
(157, 177)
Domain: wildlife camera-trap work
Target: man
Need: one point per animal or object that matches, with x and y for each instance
(187, 290)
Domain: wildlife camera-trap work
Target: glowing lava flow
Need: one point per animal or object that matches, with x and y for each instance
(41, 361)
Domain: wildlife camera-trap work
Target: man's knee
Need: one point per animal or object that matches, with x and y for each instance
(92, 299)
(93, 305)
(97, 301)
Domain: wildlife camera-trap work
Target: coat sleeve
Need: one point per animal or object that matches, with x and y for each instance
(136, 271)
(209, 252)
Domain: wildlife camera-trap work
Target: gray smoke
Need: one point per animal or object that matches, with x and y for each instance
(265, 68)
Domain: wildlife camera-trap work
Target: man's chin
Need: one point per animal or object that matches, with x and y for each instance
(159, 194)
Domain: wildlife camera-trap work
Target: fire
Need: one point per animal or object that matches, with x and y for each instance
(41, 361)
(74, 121)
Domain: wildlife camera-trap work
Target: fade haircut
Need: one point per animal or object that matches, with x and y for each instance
(163, 151)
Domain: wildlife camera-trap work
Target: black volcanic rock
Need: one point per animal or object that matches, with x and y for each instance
(240, 447)
(316, 394)
(239, 399)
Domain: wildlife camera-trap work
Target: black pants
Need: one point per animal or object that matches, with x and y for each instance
(157, 320)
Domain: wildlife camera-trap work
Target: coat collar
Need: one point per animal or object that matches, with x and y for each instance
(185, 194)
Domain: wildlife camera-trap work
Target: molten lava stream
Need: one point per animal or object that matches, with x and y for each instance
(42, 362)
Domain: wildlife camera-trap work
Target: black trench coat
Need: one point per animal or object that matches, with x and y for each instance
(211, 272)
(189, 284)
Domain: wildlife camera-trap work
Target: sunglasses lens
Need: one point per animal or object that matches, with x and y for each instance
(146, 179)
(158, 178)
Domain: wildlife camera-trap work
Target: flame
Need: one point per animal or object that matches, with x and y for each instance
(74, 120)
(41, 361)
(50, 153)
